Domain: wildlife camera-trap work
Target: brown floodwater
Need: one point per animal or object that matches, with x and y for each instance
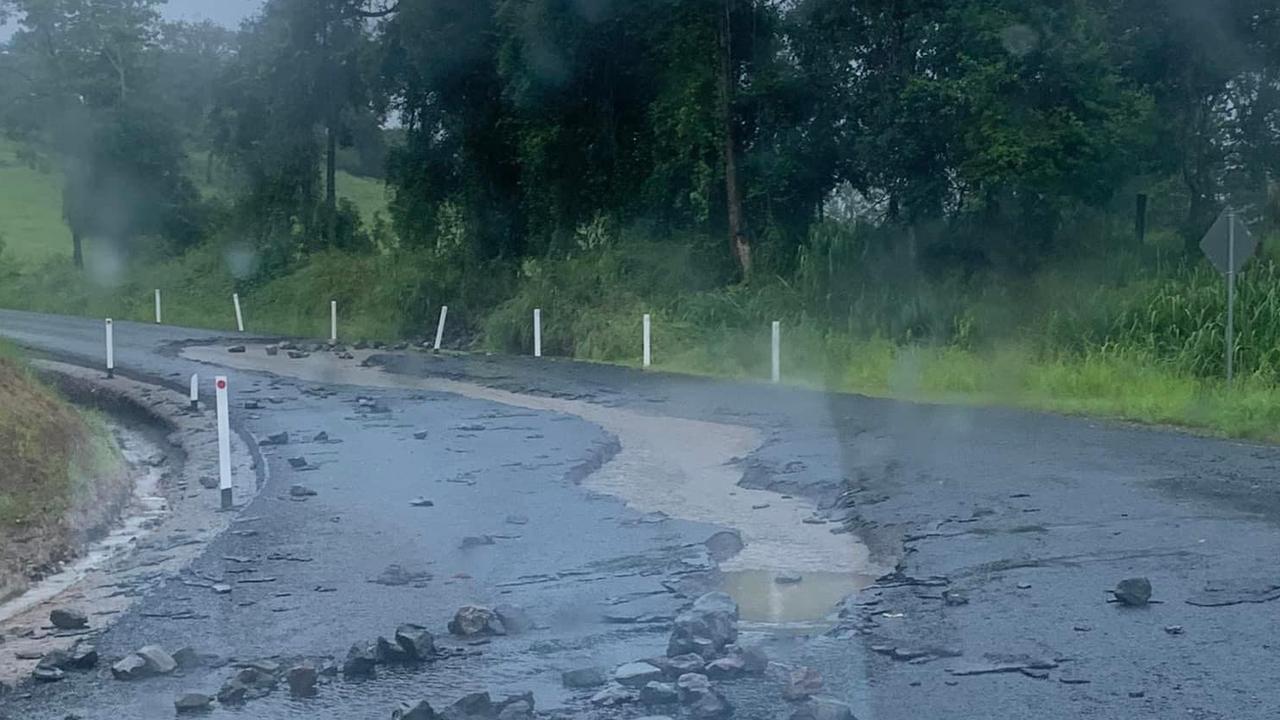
(762, 599)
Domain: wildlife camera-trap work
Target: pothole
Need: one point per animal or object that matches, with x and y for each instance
(781, 598)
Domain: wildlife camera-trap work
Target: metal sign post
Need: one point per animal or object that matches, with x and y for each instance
(224, 442)
(157, 306)
(333, 321)
(235, 298)
(1229, 245)
(195, 392)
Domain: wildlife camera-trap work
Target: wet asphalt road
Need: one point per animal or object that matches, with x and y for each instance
(1031, 517)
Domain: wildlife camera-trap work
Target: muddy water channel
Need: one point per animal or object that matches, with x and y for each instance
(674, 466)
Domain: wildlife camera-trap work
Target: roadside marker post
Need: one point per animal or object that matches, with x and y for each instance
(777, 351)
(537, 332)
(111, 349)
(195, 392)
(333, 321)
(648, 345)
(235, 298)
(444, 313)
(157, 306)
(224, 442)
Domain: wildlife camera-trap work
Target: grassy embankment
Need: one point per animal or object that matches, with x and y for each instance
(60, 469)
(1145, 348)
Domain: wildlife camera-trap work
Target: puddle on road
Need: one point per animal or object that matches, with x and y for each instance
(672, 465)
(762, 599)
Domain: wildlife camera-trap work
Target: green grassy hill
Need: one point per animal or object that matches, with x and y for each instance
(30, 209)
(31, 225)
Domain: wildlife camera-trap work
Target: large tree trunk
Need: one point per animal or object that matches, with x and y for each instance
(77, 250)
(739, 244)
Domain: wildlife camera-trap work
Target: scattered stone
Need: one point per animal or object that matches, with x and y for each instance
(83, 657)
(513, 618)
(518, 710)
(302, 680)
(1133, 592)
(725, 668)
(416, 641)
(823, 708)
(583, 678)
(659, 693)
(221, 588)
(272, 350)
(473, 620)
(1082, 628)
(814, 521)
(298, 463)
(1074, 681)
(517, 520)
(130, 667)
(360, 663)
(615, 695)
(788, 579)
(47, 674)
(388, 652)
(711, 705)
(158, 662)
(761, 506)
(233, 693)
(753, 658)
(1174, 629)
(1024, 586)
(421, 710)
(321, 437)
(421, 435)
(684, 664)
(421, 502)
(1137, 694)
(802, 683)
(296, 355)
(276, 439)
(706, 628)
(724, 545)
(68, 619)
(360, 345)
(475, 705)
(691, 686)
(636, 674)
(192, 702)
(398, 576)
(476, 541)
(236, 349)
(954, 598)
(208, 482)
(299, 490)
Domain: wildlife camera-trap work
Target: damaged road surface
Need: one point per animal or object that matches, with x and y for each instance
(504, 537)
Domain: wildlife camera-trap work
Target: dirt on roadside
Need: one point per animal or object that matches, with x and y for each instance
(62, 479)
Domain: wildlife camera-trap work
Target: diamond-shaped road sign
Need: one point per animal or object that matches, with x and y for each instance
(1217, 243)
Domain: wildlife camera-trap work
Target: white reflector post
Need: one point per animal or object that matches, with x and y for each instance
(111, 349)
(158, 318)
(333, 321)
(444, 313)
(235, 298)
(195, 392)
(777, 351)
(537, 332)
(224, 442)
(648, 346)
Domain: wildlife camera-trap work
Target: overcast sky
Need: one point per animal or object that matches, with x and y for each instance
(223, 12)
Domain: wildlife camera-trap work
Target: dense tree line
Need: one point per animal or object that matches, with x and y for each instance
(979, 130)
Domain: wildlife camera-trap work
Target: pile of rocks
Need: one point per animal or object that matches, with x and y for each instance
(410, 644)
(703, 647)
(477, 620)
